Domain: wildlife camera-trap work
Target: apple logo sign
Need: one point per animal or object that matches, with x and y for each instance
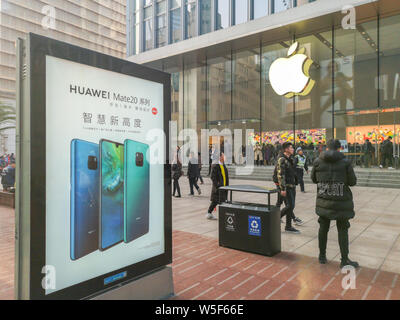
(290, 76)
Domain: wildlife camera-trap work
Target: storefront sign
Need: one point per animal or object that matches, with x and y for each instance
(290, 76)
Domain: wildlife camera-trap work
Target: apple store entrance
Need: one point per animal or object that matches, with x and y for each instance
(355, 97)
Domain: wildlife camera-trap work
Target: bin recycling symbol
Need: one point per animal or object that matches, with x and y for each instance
(230, 224)
(254, 226)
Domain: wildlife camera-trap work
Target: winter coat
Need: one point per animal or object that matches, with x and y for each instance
(258, 152)
(334, 175)
(285, 173)
(8, 177)
(193, 168)
(176, 170)
(387, 147)
(218, 181)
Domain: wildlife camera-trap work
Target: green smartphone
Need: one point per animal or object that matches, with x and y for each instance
(136, 190)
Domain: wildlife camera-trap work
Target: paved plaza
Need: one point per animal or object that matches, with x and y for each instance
(203, 270)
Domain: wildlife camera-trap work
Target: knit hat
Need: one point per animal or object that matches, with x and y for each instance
(298, 149)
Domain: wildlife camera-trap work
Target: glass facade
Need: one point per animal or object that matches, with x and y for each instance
(241, 11)
(191, 19)
(223, 14)
(205, 16)
(356, 96)
(157, 23)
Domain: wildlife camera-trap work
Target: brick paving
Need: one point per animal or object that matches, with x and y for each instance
(203, 270)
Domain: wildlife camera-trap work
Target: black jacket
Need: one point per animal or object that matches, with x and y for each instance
(218, 181)
(176, 170)
(333, 175)
(387, 147)
(285, 172)
(193, 168)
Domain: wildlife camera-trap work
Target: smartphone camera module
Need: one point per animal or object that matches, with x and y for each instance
(139, 159)
(92, 163)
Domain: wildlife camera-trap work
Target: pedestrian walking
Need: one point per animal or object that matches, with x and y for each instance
(334, 175)
(301, 166)
(199, 177)
(193, 174)
(387, 153)
(368, 152)
(287, 180)
(176, 174)
(220, 178)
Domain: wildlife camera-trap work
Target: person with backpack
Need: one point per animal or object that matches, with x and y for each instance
(334, 175)
(285, 178)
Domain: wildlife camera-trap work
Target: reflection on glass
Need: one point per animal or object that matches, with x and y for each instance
(260, 8)
(175, 25)
(161, 31)
(190, 19)
(246, 85)
(280, 5)
(205, 16)
(148, 34)
(219, 84)
(222, 14)
(241, 11)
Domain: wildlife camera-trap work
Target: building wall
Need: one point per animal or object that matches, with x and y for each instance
(99, 25)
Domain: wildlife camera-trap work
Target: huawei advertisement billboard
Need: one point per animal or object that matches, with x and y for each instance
(105, 198)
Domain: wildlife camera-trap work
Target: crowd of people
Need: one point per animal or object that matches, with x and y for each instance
(7, 172)
(332, 172)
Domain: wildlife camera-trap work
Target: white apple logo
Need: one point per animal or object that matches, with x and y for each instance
(290, 76)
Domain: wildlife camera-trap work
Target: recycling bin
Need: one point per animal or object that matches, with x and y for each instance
(250, 227)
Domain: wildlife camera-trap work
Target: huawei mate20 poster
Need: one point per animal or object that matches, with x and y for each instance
(101, 218)
(111, 194)
(136, 190)
(84, 198)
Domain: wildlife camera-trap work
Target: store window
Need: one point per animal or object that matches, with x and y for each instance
(219, 90)
(314, 112)
(276, 123)
(356, 110)
(389, 89)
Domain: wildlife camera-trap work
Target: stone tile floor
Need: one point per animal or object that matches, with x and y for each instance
(203, 270)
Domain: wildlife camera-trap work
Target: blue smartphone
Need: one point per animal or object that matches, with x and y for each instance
(84, 198)
(111, 222)
(136, 190)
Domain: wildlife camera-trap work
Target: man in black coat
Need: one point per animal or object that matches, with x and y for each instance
(333, 175)
(387, 153)
(193, 174)
(286, 180)
(220, 178)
